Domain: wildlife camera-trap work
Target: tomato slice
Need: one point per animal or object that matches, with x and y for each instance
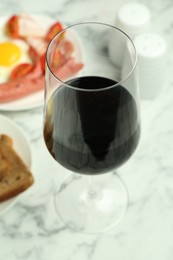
(12, 27)
(53, 30)
(58, 58)
(42, 61)
(21, 70)
(33, 54)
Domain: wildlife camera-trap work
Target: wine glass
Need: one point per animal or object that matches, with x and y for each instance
(91, 123)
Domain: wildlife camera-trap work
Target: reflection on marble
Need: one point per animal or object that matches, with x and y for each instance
(31, 229)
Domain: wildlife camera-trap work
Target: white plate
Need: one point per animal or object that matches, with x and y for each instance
(37, 99)
(21, 146)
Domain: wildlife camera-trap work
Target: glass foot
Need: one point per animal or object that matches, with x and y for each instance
(91, 204)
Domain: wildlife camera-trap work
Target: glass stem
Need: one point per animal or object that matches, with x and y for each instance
(92, 190)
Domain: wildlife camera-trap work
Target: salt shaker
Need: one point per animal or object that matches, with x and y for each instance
(132, 18)
(152, 56)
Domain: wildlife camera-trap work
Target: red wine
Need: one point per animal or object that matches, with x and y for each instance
(91, 132)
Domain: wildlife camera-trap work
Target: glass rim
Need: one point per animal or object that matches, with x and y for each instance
(97, 89)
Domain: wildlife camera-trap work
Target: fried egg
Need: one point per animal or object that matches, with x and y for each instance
(12, 53)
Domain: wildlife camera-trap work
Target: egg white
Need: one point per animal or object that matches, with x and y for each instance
(6, 71)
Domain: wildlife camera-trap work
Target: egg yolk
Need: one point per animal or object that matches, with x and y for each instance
(10, 53)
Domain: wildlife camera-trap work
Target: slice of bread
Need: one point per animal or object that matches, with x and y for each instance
(15, 177)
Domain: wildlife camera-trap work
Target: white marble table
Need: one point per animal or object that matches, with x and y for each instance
(31, 229)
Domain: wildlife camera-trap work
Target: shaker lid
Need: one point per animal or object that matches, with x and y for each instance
(133, 15)
(150, 45)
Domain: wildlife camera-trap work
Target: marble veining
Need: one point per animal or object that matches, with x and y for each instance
(31, 230)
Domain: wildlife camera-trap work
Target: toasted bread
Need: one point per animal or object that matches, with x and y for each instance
(15, 177)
